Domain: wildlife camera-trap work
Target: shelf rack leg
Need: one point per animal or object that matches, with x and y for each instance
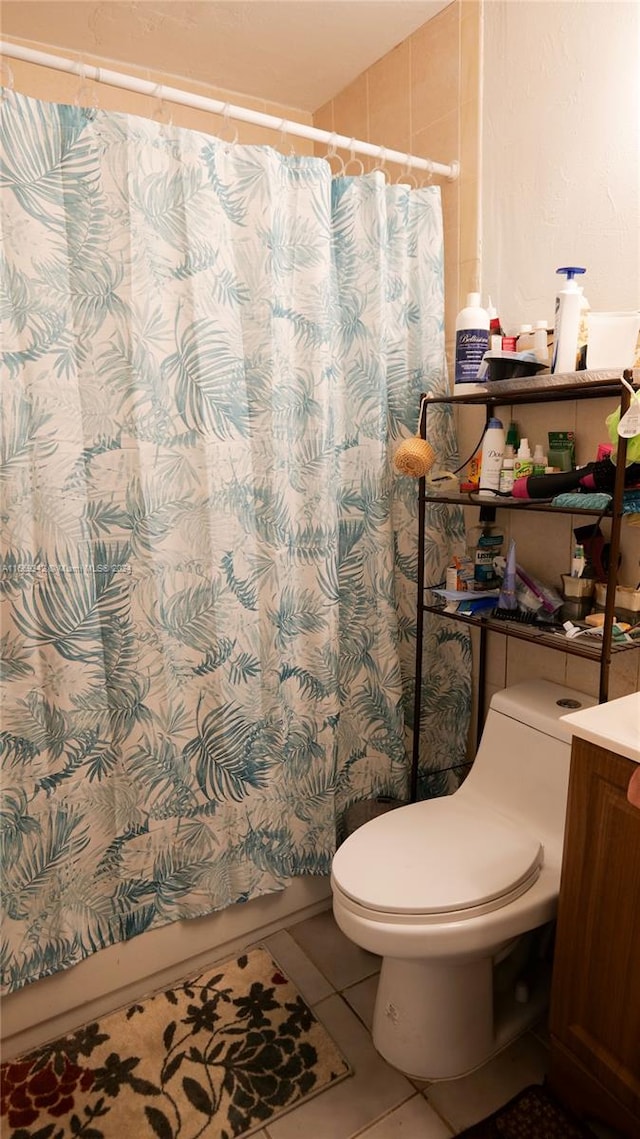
(614, 551)
(482, 674)
(417, 697)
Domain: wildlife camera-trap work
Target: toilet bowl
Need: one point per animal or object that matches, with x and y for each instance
(456, 894)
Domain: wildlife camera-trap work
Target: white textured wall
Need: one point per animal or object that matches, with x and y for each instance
(560, 152)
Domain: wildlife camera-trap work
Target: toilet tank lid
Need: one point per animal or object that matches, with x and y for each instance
(541, 704)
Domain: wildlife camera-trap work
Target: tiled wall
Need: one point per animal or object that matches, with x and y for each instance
(424, 98)
(57, 86)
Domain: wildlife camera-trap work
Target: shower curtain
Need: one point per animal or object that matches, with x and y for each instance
(208, 566)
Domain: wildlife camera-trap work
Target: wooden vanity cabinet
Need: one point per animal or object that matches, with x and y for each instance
(595, 998)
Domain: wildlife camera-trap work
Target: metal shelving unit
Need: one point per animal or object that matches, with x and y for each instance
(538, 389)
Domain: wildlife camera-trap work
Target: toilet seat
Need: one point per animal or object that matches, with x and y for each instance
(440, 860)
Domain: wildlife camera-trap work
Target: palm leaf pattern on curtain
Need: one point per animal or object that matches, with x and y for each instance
(208, 572)
(74, 611)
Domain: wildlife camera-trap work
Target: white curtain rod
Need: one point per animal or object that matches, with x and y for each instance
(228, 110)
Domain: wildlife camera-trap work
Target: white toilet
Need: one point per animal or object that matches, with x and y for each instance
(456, 893)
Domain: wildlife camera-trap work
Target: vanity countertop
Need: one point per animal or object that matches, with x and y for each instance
(614, 725)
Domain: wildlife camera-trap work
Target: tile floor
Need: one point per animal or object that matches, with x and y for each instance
(338, 979)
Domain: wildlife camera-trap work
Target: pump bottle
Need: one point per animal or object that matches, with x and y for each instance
(539, 460)
(567, 322)
(523, 464)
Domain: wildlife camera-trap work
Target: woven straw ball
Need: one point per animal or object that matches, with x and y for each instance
(414, 457)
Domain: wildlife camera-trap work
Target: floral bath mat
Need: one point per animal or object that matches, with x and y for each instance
(218, 1056)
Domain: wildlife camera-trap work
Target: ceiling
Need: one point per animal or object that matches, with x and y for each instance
(296, 52)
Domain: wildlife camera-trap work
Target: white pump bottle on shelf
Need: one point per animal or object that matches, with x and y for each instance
(567, 322)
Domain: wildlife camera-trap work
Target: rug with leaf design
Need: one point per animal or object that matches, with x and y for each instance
(218, 1056)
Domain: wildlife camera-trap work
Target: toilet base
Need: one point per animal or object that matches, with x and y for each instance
(422, 1023)
(438, 1020)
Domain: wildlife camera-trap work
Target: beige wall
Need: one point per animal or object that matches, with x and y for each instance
(575, 200)
(577, 87)
(424, 97)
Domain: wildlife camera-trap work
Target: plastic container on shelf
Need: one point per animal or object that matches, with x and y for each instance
(583, 332)
(627, 598)
(578, 561)
(507, 475)
(540, 341)
(523, 466)
(612, 339)
(539, 460)
(496, 331)
(524, 342)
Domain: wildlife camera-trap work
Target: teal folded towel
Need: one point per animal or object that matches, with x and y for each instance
(631, 502)
(596, 500)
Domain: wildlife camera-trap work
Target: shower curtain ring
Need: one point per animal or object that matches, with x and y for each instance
(352, 158)
(161, 113)
(226, 116)
(86, 95)
(284, 138)
(381, 161)
(407, 175)
(332, 153)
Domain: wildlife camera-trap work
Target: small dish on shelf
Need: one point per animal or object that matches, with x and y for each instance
(510, 366)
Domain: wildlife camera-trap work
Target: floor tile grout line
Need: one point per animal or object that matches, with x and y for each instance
(362, 1132)
(304, 950)
(447, 1122)
(358, 1017)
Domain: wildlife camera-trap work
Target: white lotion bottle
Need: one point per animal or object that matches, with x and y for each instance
(524, 342)
(567, 322)
(540, 341)
(539, 460)
(492, 455)
(523, 465)
(472, 339)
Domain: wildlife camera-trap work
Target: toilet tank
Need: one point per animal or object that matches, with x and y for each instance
(522, 764)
